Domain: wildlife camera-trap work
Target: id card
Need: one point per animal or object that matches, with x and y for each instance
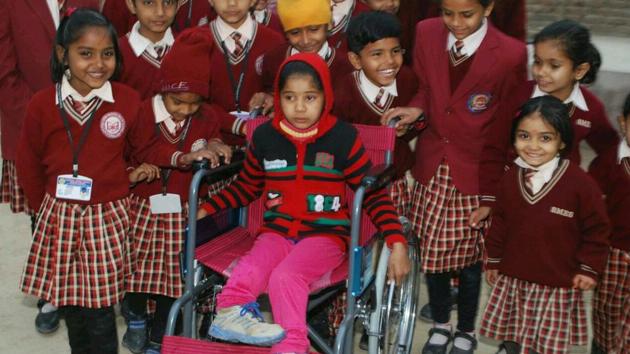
(242, 115)
(165, 203)
(74, 188)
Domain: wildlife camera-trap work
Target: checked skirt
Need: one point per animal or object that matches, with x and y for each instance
(79, 254)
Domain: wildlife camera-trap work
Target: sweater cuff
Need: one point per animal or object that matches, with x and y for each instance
(208, 208)
(588, 271)
(391, 239)
(238, 127)
(493, 263)
(175, 159)
(487, 201)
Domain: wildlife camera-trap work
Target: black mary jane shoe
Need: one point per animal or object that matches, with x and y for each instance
(436, 348)
(468, 337)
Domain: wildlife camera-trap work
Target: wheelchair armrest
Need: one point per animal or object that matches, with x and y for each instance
(377, 177)
(222, 171)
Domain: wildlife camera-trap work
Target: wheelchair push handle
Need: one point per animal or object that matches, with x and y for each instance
(222, 171)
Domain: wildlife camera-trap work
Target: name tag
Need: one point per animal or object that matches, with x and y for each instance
(165, 203)
(74, 188)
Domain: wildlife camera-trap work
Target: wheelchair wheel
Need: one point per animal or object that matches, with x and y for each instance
(397, 313)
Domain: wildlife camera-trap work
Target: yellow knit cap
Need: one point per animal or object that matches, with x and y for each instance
(301, 13)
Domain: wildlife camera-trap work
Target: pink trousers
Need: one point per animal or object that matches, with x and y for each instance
(285, 270)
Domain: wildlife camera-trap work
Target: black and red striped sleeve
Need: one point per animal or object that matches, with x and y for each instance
(378, 204)
(245, 189)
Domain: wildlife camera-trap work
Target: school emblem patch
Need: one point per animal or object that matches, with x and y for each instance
(325, 160)
(479, 102)
(199, 144)
(112, 125)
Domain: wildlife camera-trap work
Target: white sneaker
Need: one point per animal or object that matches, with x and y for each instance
(245, 324)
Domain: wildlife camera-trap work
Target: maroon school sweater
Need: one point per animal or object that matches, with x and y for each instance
(592, 125)
(614, 180)
(204, 126)
(353, 107)
(337, 34)
(140, 73)
(338, 64)
(45, 153)
(549, 238)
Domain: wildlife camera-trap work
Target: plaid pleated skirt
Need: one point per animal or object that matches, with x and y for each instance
(10, 191)
(401, 196)
(439, 214)
(624, 343)
(158, 240)
(610, 298)
(541, 318)
(79, 254)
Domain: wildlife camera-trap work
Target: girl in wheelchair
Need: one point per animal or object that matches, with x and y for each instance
(301, 162)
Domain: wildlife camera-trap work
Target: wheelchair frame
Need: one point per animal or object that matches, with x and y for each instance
(387, 311)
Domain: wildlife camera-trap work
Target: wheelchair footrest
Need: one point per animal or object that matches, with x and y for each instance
(183, 345)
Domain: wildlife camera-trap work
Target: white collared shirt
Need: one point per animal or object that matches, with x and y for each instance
(104, 92)
(576, 97)
(140, 43)
(341, 10)
(623, 151)
(370, 90)
(324, 51)
(260, 15)
(53, 6)
(225, 30)
(543, 173)
(162, 115)
(472, 42)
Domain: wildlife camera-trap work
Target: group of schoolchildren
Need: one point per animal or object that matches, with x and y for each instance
(102, 158)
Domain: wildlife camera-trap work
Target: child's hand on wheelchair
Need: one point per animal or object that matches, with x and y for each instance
(220, 149)
(399, 264)
(478, 216)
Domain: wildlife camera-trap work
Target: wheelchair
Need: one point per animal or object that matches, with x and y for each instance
(386, 311)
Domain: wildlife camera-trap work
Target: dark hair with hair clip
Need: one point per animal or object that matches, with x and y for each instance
(299, 68)
(552, 111)
(71, 28)
(369, 27)
(484, 3)
(575, 40)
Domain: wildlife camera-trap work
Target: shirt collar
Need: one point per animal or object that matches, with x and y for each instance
(623, 151)
(324, 51)
(370, 90)
(341, 10)
(472, 42)
(576, 97)
(53, 6)
(162, 115)
(260, 15)
(545, 171)
(104, 92)
(246, 29)
(140, 43)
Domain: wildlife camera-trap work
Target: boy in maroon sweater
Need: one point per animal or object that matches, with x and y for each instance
(379, 83)
(611, 170)
(342, 12)
(306, 24)
(146, 44)
(548, 240)
(235, 65)
(266, 17)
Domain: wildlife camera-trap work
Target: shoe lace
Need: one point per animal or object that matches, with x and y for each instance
(252, 308)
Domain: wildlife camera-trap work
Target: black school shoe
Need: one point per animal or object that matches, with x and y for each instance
(136, 337)
(47, 322)
(435, 348)
(468, 337)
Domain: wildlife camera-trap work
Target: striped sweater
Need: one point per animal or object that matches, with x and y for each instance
(303, 181)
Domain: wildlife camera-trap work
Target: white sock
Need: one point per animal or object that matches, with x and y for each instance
(437, 338)
(463, 343)
(48, 307)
